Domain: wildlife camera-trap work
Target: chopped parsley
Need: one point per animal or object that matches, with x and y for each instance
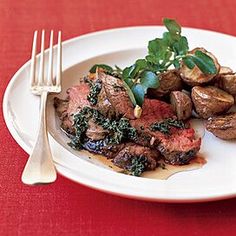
(164, 126)
(95, 88)
(138, 165)
(120, 130)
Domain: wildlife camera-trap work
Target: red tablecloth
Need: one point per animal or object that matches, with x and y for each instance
(67, 208)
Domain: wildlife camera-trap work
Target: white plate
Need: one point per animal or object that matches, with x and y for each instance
(216, 180)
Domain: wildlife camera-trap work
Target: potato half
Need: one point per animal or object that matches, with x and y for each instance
(223, 127)
(181, 104)
(210, 101)
(169, 81)
(195, 76)
(227, 82)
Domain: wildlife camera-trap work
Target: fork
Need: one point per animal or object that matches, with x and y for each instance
(39, 168)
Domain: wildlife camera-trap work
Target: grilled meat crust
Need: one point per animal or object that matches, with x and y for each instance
(124, 158)
(117, 95)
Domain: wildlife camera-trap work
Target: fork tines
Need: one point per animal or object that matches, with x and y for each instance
(40, 81)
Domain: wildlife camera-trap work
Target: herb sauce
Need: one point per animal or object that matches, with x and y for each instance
(164, 126)
(119, 130)
(95, 89)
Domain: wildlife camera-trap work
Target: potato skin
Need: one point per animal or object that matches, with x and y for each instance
(225, 70)
(169, 81)
(195, 76)
(210, 101)
(181, 104)
(223, 127)
(227, 82)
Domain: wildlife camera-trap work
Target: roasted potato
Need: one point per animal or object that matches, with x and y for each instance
(210, 101)
(182, 104)
(225, 70)
(169, 81)
(227, 82)
(223, 126)
(195, 76)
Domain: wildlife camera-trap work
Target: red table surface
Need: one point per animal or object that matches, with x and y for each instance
(65, 207)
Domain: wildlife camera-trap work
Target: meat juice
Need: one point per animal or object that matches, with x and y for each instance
(163, 171)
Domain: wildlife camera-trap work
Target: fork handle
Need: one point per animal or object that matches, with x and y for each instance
(39, 167)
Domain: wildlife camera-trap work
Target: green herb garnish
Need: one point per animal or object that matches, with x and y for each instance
(164, 126)
(138, 165)
(170, 50)
(120, 130)
(95, 89)
(81, 125)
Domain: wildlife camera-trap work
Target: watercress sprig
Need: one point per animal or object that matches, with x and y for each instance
(169, 51)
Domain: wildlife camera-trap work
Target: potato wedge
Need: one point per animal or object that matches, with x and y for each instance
(227, 82)
(181, 104)
(210, 101)
(225, 70)
(195, 76)
(223, 127)
(169, 81)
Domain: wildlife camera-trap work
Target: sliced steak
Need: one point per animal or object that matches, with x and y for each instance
(153, 111)
(179, 146)
(95, 132)
(61, 107)
(75, 101)
(100, 147)
(104, 105)
(117, 95)
(128, 156)
(108, 103)
(77, 96)
(133, 151)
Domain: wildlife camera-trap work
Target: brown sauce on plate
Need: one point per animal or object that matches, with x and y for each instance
(163, 171)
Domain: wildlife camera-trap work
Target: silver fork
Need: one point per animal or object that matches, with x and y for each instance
(39, 168)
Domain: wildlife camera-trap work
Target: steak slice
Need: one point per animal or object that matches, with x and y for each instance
(101, 147)
(75, 102)
(179, 146)
(131, 153)
(117, 95)
(104, 106)
(95, 132)
(112, 101)
(128, 156)
(61, 107)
